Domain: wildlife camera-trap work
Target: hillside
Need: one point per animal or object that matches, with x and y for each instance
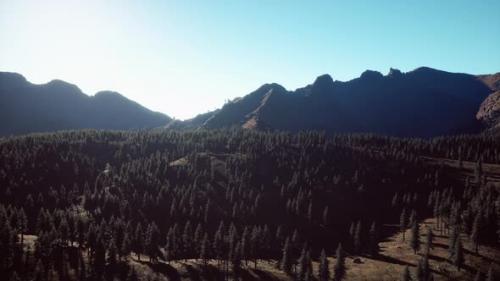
(92, 203)
(388, 265)
(57, 105)
(421, 103)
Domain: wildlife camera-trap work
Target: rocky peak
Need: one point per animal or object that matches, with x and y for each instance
(371, 75)
(323, 83)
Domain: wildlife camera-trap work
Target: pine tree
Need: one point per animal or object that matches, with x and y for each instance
(430, 238)
(112, 251)
(82, 268)
(138, 241)
(339, 268)
(204, 249)
(413, 217)
(303, 263)
(152, 241)
(374, 239)
(132, 275)
(458, 256)
(286, 259)
(452, 241)
(22, 224)
(236, 261)
(357, 238)
(405, 276)
(478, 276)
(99, 262)
(326, 217)
(424, 266)
(402, 223)
(324, 270)
(126, 245)
(419, 272)
(415, 237)
(476, 229)
(491, 274)
(497, 207)
(14, 277)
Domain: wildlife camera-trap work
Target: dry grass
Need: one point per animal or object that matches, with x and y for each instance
(396, 254)
(388, 266)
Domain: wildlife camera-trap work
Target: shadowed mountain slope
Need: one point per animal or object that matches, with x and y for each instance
(425, 102)
(58, 105)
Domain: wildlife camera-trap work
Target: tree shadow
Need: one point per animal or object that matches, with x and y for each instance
(473, 253)
(261, 275)
(211, 272)
(437, 258)
(163, 268)
(192, 272)
(439, 245)
(389, 259)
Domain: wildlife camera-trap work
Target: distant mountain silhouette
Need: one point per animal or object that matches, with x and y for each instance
(424, 102)
(57, 105)
(192, 123)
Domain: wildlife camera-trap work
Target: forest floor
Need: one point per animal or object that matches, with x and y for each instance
(491, 171)
(387, 266)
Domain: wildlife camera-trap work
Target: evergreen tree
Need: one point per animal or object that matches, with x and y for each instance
(99, 261)
(458, 256)
(126, 246)
(402, 223)
(204, 249)
(286, 259)
(82, 268)
(374, 239)
(419, 271)
(415, 237)
(324, 270)
(478, 276)
(358, 238)
(424, 268)
(454, 237)
(476, 229)
(14, 277)
(413, 218)
(405, 276)
(303, 263)
(112, 252)
(491, 275)
(430, 238)
(132, 275)
(138, 244)
(326, 217)
(339, 269)
(236, 261)
(152, 242)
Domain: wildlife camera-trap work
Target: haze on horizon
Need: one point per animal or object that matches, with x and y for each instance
(184, 58)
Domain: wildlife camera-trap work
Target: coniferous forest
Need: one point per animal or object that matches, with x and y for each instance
(94, 205)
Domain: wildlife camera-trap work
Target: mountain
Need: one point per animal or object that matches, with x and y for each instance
(424, 102)
(489, 111)
(193, 123)
(58, 105)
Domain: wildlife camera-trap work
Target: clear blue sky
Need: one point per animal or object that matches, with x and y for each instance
(188, 57)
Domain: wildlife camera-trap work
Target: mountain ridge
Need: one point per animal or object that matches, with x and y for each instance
(59, 105)
(420, 98)
(424, 102)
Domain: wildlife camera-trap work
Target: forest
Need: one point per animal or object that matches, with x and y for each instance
(82, 205)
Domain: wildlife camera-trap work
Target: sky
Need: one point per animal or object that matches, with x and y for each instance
(188, 57)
